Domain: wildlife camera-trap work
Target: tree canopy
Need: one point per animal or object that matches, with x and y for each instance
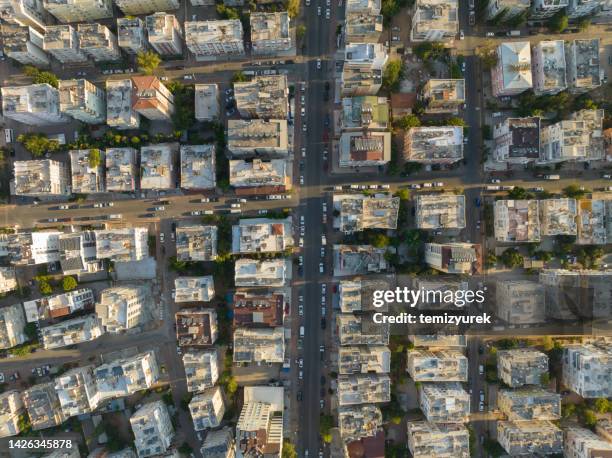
(147, 61)
(38, 144)
(392, 75)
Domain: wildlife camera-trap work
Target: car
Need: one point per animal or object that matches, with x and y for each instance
(299, 396)
(414, 186)
(463, 67)
(318, 11)
(302, 112)
(322, 403)
(179, 350)
(323, 323)
(229, 91)
(323, 240)
(301, 375)
(301, 242)
(481, 395)
(322, 348)
(303, 86)
(161, 237)
(172, 237)
(230, 112)
(427, 185)
(396, 38)
(495, 180)
(472, 18)
(322, 252)
(606, 176)
(160, 208)
(63, 207)
(1, 377)
(303, 99)
(235, 205)
(301, 309)
(52, 220)
(323, 288)
(301, 362)
(188, 77)
(195, 213)
(322, 311)
(461, 35)
(327, 13)
(481, 406)
(304, 127)
(438, 184)
(318, 64)
(323, 380)
(481, 369)
(321, 268)
(303, 152)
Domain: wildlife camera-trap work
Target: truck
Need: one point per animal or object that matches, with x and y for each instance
(552, 177)
(514, 33)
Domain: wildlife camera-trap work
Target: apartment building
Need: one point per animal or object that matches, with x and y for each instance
(121, 172)
(258, 138)
(439, 365)
(126, 376)
(24, 13)
(157, 166)
(360, 81)
(548, 67)
(520, 367)
(270, 33)
(198, 167)
(576, 139)
(79, 10)
(364, 112)
(584, 71)
(454, 257)
(30, 248)
(194, 289)
(358, 260)
(358, 330)
(250, 273)
(82, 100)
(71, 332)
(8, 280)
(98, 42)
(214, 38)
(33, 105)
(12, 324)
(152, 99)
(140, 7)
(262, 235)
(363, 389)
(357, 295)
(43, 406)
(364, 149)
(443, 95)
(520, 302)
(357, 212)
(579, 8)
(364, 359)
(165, 34)
(438, 340)
(87, 167)
(260, 426)
(529, 404)
(587, 368)
(440, 211)
(365, 56)
(558, 216)
(197, 327)
(583, 443)
(263, 97)
(59, 305)
(266, 176)
(511, 8)
(196, 243)
(361, 27)
(40, 178)
(544, 9)
(77, 391)
(259, 345)
(512, 73)
(435, 20)
(256, 308)
(201, 369)
(359, 421)
(131, 35)
(124, 307)
(363, 6)
(433, 145)
(11, 410)
(517, 221)
(119, 111)
(445, 402)
(207, 102)
(529, 438)
(219, 444)
(25, 44)
(125, 244)
(442, 440)
(207, 409)
(152, 428)
(516, 140)
(62, 42)
(593, 215)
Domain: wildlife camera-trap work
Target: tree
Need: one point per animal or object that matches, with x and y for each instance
(95, 158)
(512, 258)
(69, 283)
(292, 7)
(380, 241)
(574, 191)
(407, 121)
(429, 50)
(602, 405)
(226, 12)
(403, 194)
(45, 288)
(392, 75)
(41, 77)
(455, 121)
(38, 144)
(488, 57)
(518, 193)
(590, 419)
(559, 22)
(185, 449)
(239, 77)
(300, 31)
(288, 449)
(583, 24)
(147, 61)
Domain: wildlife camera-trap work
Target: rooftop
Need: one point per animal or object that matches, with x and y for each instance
(196, 326)
(363, 112)
(71, 332)
(359, 421)
(369, 6)
(359, 212)
(358, 260)
(130, 33)
(517, 221)
(558, 216)
(521, 366)
(363, 389)
(514, 59)
(361, 24)
(119, 99)
(40, 177)
(440, 211)
(125, 244)
(586, 62)
(201, 369)
(250, 137)
(593, 215)
(529, 404)
(433, 144)
(364, 359)
(355, 330)
(93, 35)
(517, 139)
(269, 26)
(253, 272)
(438, 340)
(365, 55)
(440, 365)
(161, 27)
(524, 438)
(194, 289)
(259, 345)
(42, 404)
(196, 243)
(365, 148)
(357, 295)
(87, 167)
(157, 169)
(126, 376)
(445, 402)
(258, 173)
(442, 440)
(549, 56)
(259, 309)
(121, 174)
(436, 15)
(207, 102)
(198, 167)
(202, 32)
(60, 36)
(261, 235)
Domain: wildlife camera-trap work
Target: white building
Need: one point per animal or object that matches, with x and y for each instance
(530, 438)
(258, 137)
(558, 216)
(543, 9)
(33, 105)
(442, 440)
(152, 428)
(207, 102)
(24, 44)
(584, 72)
(207, 409)
(77, 391)
(364, 359)
(87, 166)
(520, 302)
(270, 33)
(520, 367)
(43, 406)
(41, 178)
(363, 6)
(364, 149)
(12, 324)
(23, 12)
(273, 174)
(548, 67)
(79, 10)
(165, 34)
(512, 73)
(263, 97)
(119, 111)
(214, 38)
(580, 8)
(435, 20)
(196, 243)
(121, 173)
(587, 368)
(357, 422)
(442, 365)
(529, 404)
(583, 443)
(259, 345)
(363, 389)
(365, 56)
(98, 42)
(445, 402)
(198, 164)
(11, 409)
(201, 369)
(157, 168)
(265, 273)
(83, 101)
(139, 7)
(517, 140)
(261, 235)
(124, 307)
(517, 220)
(440, 211)
(454, 257)
(124, 377)
(511, 8)
(126, 244)
(358, 212)
(62, 42)
(194, 289)
(219, 443)
(131, 34)
(8, 280)
(71, 332)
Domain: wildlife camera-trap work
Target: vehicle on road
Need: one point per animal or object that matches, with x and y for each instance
(318, 11)
(495, 180)
(481, 369)
(552, 177)
(481, 406)
(321, 268)
(489, 34)
(160, 208)
(461, 35)
(472, 18)
(327, 13)
(195, 213)
(318, 64)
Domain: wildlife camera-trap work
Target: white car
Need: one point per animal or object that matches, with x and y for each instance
(322, 252)
(495, 180)
(262, 212)
(301, 179)
(322, 310)
(303, 152)
(461, 35)
(303, 112)
(323, 288)
(318, 11)
(304, 127)
(301, 242)
(481, 406)
(318, 64)
(321, 268)
(301, 219)
(439, 184)
(301, 309)
(327, 13)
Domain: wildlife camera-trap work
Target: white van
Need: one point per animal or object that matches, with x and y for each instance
(301, 331)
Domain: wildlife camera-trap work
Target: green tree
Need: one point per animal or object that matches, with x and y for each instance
(590, 419)
(583, 24)
(392, 75)
(231, 386)
(147, 61)
(47, 77)
(69, 283)
(30, 331)
(518, 193)
(293, 8)
(95, 158)
(512, 258)
(380, 241)
(185, 449)
(227, 12)
(289, 449)
(45, 288)
(545, 379)
(429, 50)
(559, 22)
(407, 121)
(38, 144)
(239, 77)
(602, 405)
(573, 191)
(488, 57)
(300, 31)
(455, 121)
(403, 194)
